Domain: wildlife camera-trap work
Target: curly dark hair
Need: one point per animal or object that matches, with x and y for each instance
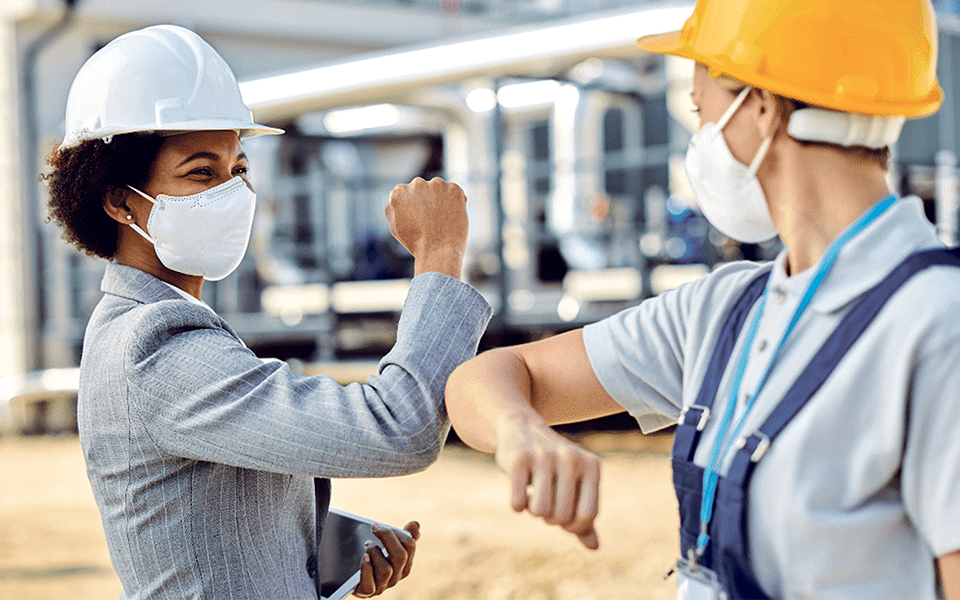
(82, 175)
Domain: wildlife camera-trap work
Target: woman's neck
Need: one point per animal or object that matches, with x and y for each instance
(815, 193)
(134, 251)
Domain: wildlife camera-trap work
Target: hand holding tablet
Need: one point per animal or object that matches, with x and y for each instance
(362, 556)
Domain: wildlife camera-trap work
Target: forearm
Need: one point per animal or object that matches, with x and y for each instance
(949, 565)
(207, 397)
(485, 392)
(504, 402)
(525, 387)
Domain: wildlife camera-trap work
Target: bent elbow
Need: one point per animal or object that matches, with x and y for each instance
(424, 449)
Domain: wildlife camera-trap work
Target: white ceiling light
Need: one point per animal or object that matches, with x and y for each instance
(481, 100)
(350, 120)
(529, 93)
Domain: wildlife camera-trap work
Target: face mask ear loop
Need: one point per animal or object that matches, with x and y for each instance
(733, 107)
(145, 195)
(136, 227)
(761, 153)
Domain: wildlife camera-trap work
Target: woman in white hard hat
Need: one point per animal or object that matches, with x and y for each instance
(210, 466)
(816, 397)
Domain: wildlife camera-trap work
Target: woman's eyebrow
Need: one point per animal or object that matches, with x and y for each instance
(209, 156)
(199, 155)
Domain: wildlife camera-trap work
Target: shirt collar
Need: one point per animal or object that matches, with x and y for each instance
(132, 283)
(187, 296)
(866, 259)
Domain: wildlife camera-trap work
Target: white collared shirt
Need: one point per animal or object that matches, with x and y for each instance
(862, 489)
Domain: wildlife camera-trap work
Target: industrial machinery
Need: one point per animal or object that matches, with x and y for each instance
(568, 142)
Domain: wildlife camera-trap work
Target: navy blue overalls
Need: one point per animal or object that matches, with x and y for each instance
(726, 553)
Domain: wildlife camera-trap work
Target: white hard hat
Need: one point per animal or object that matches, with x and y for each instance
(163, 79)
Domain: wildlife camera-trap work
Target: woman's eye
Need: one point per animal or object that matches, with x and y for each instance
(241, 170)
(202, 171)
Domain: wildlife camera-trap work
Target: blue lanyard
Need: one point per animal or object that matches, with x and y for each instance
(724, 439)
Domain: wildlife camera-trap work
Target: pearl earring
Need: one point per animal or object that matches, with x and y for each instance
(129, 217)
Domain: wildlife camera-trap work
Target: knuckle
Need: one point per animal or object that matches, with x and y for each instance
(592, 465)
(544, 455)
(568, 458)
(519, 460)
(399, 556)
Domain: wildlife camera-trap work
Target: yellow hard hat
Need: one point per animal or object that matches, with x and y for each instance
(875, 57)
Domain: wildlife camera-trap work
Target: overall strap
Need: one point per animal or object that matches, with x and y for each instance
(729, 531)
(752, 447)
(693, 419)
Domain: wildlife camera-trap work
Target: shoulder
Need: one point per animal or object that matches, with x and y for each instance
(121, 324)
(676, 319)
(928, 305)
(701, 299)
(727, 280)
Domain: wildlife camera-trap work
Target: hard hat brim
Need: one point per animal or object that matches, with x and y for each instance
(244, 130)
(663, 43)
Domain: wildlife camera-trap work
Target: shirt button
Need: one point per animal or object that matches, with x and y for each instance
(779, 296)
(762, 346)
(312, 567)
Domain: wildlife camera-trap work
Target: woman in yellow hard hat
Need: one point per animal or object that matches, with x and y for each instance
(816, 396)
(210, 466)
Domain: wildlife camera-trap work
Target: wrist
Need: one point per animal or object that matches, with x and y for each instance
(448, 261)
(521, 422)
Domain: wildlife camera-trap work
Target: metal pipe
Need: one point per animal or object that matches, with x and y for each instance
(33, 268)
(528, 50)
(946, 197)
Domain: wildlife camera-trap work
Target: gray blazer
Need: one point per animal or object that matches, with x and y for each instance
(202, 457)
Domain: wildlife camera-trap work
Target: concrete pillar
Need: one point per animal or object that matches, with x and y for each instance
(14, 336)
(948, 203)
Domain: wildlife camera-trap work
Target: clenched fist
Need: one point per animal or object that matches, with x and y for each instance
(430, 219)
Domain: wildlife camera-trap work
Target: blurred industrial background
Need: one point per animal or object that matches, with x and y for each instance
(569, 143)
(567, 139)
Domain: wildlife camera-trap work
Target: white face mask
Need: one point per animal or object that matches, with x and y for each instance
(728, 192)
(204, 234)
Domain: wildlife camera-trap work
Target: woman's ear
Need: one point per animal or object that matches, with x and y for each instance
(769, 113)
(115, 205)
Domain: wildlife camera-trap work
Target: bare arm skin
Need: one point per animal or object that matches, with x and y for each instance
(504, 402)
(949, 565)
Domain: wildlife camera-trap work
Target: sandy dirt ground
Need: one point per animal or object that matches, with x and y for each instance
(474, 547)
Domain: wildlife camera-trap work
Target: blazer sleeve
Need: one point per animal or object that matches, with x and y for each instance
(203, 395)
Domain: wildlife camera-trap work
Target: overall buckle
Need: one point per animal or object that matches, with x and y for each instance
(704, 415)
(763, 443)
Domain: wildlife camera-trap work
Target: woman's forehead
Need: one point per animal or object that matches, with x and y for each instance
(224, 145)
(702, 79)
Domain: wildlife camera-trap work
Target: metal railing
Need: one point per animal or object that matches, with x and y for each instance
(522, 10)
